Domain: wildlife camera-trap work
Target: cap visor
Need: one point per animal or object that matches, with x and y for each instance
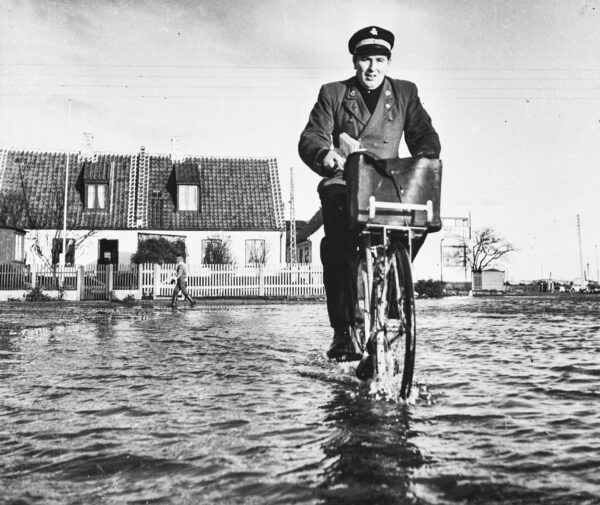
(372, 49)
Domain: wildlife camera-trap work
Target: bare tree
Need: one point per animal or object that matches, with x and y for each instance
(17, 211)
(217, 251)
(257, 252)
(485, 249)
(13, 207)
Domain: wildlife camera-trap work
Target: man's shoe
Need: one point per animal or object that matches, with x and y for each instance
(192, 303)
(343, 347)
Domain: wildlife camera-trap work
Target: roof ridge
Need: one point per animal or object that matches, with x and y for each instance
(130, 153)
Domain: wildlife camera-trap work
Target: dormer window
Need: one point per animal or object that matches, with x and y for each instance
(187, 179)
(96, 176)
(187, 197)
(95, 196)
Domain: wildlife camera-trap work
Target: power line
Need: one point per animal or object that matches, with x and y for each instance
(287, 97)
(298, 67)
(243, 86)
(294, 77)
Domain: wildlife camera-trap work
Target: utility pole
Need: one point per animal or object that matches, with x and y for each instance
(442, 259)
(63, 256)
(293, 257)
(581, 272)
(597, 270)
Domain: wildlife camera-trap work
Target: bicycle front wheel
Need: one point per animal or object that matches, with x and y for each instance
(400, 315)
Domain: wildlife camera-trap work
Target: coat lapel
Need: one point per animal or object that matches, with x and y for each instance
(384, 109)
(355, 105)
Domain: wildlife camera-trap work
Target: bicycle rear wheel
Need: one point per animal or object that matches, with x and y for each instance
(401, 330)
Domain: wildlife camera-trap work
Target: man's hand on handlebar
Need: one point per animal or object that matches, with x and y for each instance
(334, 162)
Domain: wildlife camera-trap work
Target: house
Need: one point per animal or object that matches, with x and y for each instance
(12, 245)
(300, 224)
(308, 239)
(117, 200)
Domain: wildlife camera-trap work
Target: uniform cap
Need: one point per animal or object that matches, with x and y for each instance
(371, 40)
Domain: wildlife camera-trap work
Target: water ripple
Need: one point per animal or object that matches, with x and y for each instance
(238, 404)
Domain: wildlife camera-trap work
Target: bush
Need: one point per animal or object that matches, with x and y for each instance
(430, 288)
(36, 295)
(158, 250)
(217, 252)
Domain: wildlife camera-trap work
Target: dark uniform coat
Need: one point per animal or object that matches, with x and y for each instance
(340, 108)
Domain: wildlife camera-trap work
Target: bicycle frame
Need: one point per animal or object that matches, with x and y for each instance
(375, 278)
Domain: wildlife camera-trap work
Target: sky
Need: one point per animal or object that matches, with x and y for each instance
(513, 89)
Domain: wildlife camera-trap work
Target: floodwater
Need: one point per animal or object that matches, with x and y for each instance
(237, 404)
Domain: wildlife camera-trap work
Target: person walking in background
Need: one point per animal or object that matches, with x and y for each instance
(181, 283)
(371, 111)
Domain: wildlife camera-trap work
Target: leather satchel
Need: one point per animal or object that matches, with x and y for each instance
(396, 180)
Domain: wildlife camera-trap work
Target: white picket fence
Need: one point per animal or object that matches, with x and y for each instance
(97, 282)
(205, 281)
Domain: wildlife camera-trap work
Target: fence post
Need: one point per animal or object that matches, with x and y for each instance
(140, 272)
(109, 280)
(156, 282)
(261, 280)
(33, 276)
(80, 283)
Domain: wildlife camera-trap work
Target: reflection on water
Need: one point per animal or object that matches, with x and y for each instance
(372, 455)
(237, 404)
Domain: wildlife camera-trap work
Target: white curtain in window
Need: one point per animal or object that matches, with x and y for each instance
(101, 196)
(89, 200)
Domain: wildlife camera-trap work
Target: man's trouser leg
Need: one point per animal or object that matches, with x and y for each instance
(176, 290)
(339, 257)
(182, 286)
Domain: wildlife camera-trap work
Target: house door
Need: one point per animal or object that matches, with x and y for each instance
(109, 252)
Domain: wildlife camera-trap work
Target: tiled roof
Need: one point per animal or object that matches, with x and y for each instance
(96, 171)
(187, 173)
(234, 193)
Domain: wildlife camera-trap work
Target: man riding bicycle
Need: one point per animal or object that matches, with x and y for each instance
(374, 110)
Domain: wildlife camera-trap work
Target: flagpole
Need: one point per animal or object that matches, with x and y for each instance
(64, 244)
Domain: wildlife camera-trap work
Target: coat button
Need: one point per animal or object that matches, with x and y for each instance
(386, 141)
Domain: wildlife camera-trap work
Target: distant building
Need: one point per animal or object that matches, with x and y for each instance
(454, 234)
(488, 281)
(308, 239)
(12, 245)
(300, 224)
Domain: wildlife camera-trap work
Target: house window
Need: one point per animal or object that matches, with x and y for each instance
(18, 247)
(57, 249)
(211, 251)
(256, 252)
(187, 197)
(95, 196)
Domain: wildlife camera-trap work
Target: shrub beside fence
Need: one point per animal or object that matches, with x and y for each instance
(100, 282)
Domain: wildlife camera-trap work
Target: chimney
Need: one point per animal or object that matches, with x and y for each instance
(176, 149)
(87, 146)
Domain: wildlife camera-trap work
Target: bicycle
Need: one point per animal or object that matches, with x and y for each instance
(393, 204)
